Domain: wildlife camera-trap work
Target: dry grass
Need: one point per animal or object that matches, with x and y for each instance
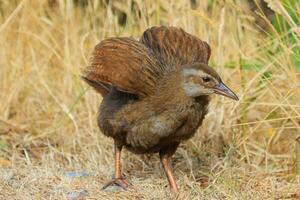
(247, 150)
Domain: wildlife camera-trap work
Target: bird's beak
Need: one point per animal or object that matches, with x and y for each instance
(222, 89)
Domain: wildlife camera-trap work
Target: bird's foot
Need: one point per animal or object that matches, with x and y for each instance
(120, 182)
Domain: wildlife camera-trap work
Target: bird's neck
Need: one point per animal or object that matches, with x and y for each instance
(170, 91)
(170, 86)
(169, 95)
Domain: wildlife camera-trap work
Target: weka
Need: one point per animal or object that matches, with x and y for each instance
(155, 92)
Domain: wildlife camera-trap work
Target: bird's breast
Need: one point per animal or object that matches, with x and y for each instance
(196, 115)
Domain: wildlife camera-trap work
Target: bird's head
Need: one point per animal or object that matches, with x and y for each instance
(201, 80)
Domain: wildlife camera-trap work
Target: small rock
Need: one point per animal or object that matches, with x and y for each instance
(113, 188)
(73, 174)
(77, 195)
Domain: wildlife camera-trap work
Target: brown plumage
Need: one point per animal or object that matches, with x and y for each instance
(156, 92)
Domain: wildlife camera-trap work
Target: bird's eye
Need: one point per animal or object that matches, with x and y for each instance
(206, 79)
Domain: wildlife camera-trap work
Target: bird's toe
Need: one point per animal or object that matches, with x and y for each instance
(119, 182)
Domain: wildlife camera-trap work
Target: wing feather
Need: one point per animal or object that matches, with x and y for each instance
(175, 47)
(125, 64)
(137, 66)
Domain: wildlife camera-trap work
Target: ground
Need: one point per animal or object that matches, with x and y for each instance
(51, 147)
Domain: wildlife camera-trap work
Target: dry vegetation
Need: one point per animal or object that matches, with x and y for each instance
(244, 150)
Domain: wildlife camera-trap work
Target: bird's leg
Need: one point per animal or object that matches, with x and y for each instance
(165, 158)
(118, 178)
(166, 162)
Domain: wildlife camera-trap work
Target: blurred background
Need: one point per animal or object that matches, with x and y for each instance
(244, 150)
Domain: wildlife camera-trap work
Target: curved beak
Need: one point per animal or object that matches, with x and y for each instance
(222, 89)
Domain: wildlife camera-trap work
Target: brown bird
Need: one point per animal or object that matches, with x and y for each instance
(155, 92)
